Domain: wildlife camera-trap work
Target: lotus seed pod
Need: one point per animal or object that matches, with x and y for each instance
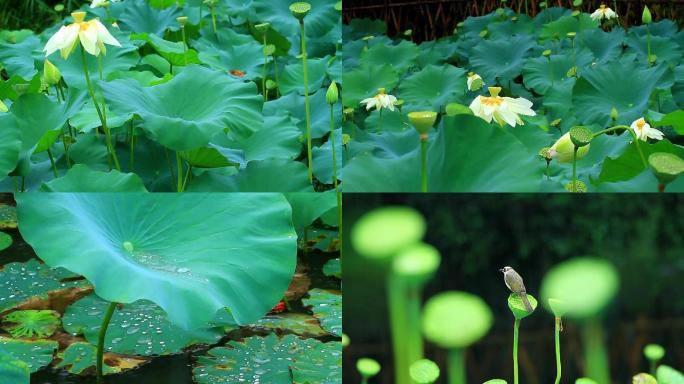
(422, 121)
(51, 73)
(644, 378)
(580, 135)
(300, 9)
(384, 232)
(332, 95)
(571, 35)
(263, 27)
(417, 263)
(424, 371)
(78, 16)
(576, 186)
(646, 15)
(547, 53)
(367, 367)
(654, 352)
(269, 49)
(666, 166)
(270, 84)
(545, 153)
(182, 20)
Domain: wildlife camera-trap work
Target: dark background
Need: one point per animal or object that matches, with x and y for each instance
(479, 233)
(432, 19)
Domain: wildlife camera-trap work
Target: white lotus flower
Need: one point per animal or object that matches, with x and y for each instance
(475, 82)
(381, 100)
(99, 3)
(92, 35)
(503, 110)
(604, 13)
(644, 131)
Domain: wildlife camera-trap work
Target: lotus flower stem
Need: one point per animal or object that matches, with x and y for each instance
(456, 366)
(516, 329)
(101, 340)
(334, 160)
(52, 163)
(103, 119)
(407, 341)
(306, 101)
(423, 163)
(558, 355)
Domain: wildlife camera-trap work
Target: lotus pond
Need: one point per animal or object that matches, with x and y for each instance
(191, 288)
(506, 101)
(158, 95)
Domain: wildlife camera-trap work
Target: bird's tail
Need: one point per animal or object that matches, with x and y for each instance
(526, 302)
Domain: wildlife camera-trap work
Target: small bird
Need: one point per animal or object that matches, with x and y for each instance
(514, 282)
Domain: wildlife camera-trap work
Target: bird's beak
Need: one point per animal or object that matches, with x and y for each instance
(501, 270)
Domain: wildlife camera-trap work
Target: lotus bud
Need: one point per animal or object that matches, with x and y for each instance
(666, 166)
(332, 95)
(563, 149)
(545, 153)
(423, 122)
(580, 136)
(78, 16)
(646, 15)
(182, 20)
(3, 107)
(547, 53)
(270, 84)
(300, 9)
(345, 139)
(576, 186)
(614, 114)
(408, 32)
(51, 73)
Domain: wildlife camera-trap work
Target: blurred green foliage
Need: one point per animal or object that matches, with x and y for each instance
(34, 14)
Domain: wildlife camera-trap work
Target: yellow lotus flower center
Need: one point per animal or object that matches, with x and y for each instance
(603, 7)
(471, 74)
(494, 91)
(494, 101)
(78, 16)
(640, 123)
(83, 26)
(381, 91)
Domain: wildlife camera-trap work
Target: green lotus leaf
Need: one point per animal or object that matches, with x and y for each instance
(35, 353)
(322, 18)
(278, 139)
(516, 305)
(306, 208)
(87, 119)
(187, 111)
(559, 29)
(270, 360)
(139, 328)
(452, 164)
(20, 58)
(139, 17)
(247, 58)
(79, 357)
(34, 125)
(292, 76)
(5, 241)
(13, 370)
(10, 144)
(12, 88)
(540, 74)
(33, 281)
(80, 178)
(281, 44)
(663, 28)
(47, 140)
(629, 164)
(259, 176)
(500, 60)
(327, 308)
(365, 81)
(293, 105)
(322, 159)
(399, 57)
(603, 88)
(678, 88)
(664, 48)
(455, 319)
(434, 53)
(669, 375)
(31, 323)
(365, 27)
(333, 268)
(297, 323)
(207, 157)
(674, 119)
(433, 87)
(604, 46)
(8, 216)
(116, 59)
(585, 285)
(173, 51)
(163, 264)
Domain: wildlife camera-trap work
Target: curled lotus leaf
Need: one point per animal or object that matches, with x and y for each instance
(31, 323)
(327, 308)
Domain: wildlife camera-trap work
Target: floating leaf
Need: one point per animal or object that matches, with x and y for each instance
(35, 353)
(80, 357)
(31, 323)
(5, 241)
(8, 216)
(327, 308)
(291, 322)
(333, 268)
(80, 178)
(13, 370)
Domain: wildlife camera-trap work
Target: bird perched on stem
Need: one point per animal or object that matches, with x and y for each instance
(514, 282)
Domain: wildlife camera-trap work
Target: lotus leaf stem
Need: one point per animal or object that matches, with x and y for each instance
(423, 163)
(648, 46)
(456, 366)
(516, 329)
(179, 173)
(213, 17)
(407, 341)
(103, 119)
(52, 163)
(574, 171)
(101, 340)
(306, 100)
(559, 327)
(334, 160)
(185, 45)
(275, 72)
(188, 173)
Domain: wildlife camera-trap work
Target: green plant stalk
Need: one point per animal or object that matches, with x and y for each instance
(101, 340)
(648, 46)
(407, 342)
(516, 329)
(456, 366)
(99, 66)
(179, 173)
(574, 169)
(275, 71)
(364, 380)
(558, 356)
(654, 365)
(306, 101)
(131, 162)
(52, 163)
(185, 46)
(263, 78)
(595, 353)
(187, 177)
(423, 163)
(527, 11)
(634, 137)
(334, 160)
(213, 17)
(66, 150)
(103, 120)
(551, 70)
(574, 62)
